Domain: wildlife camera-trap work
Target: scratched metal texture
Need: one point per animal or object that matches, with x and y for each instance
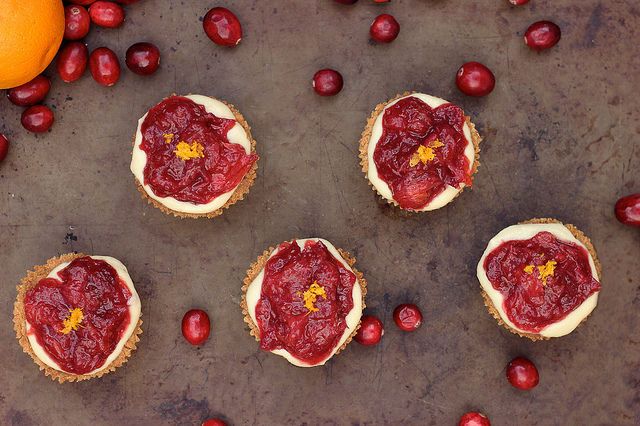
(561, 139)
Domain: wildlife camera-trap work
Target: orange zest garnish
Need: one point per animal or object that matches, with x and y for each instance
(185, 152)
(544, 271)
(73, 321)
(424, 154)
(168, 137)
(310, 296)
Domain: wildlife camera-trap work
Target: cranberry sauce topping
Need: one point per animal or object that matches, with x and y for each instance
(79, 318)
(306, 296)
(421, 151)
(189, 156)
(542, 279)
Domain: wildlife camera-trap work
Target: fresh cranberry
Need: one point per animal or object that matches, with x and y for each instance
(474, 79)
(222, 27)
(370, 331)
(4, 147)
(522, 373)
(214, 422)
(384, 28)
(37, 118)
(407, 317)
(76, 22)
(196, 326)
(474, 418)
(106, 14)
(346, 1)
(542, 35)
(72, 61)
(327, 82)
(104, 66)
(518, 2)
(82, 2)
(31, 92)
(143, 58)
(628, 210)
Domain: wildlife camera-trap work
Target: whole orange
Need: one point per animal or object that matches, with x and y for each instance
(30, 35)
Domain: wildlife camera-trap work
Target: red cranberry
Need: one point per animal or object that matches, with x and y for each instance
(384, 28)
(628, 210)
(4, 147)
(37, 118)
(214, 422)
(518, 2)
(72, 61)
(370, 331)
(104, 66)
(82, 2)
(222, 27)
(143, 58)
(522, 374)
(327, 82)
(542, 35)
(31, 92)
(346, 1)
(106, 14)
(196, 326)
(76, 22)
(474, 419)
(474, 79)
(407, 317)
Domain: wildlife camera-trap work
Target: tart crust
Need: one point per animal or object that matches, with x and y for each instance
(580, 236)
(238, 194)
(259, 265)
(31, 280)
(366, 137)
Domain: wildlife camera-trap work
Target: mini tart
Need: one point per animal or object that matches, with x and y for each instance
(373, 133)
(240, 134)
(252, 294)
(541, 270)
(31, 345)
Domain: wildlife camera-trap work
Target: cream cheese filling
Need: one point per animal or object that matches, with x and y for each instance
(352, 319)
(524, 232)
(236, 135)
(446, 196)
(134, 316)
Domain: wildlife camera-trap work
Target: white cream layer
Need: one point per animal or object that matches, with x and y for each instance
(353, 317)
(446, 196)
(524, 232)
(236, 135)
(134, 316)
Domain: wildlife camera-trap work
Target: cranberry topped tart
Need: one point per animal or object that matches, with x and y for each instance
(303, 300)
(419, 152)
(78, 316)
(540, 279)
(193, 156)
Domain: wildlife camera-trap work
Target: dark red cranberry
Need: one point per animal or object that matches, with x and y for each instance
(104, 66)
(542, 35)
(370, 331)
(474, 418)
(384, 28)
(4, 147)
(407, 317)
(346, 1)
(82, 2)
(222, 27)
(327, 82)
(37, 118)
(143, 58)
(474, 79)
(72, 61)
(518, 2)
(30, 93)
(628, 210)
(522, 373)
(196, 326)
(214, 422)
(106, 14)
(76, 22)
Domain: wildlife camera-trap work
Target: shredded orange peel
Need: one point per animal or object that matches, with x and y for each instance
(185, 152)
(424, 154)
(544, 271)
(310, 296)
(73, 321)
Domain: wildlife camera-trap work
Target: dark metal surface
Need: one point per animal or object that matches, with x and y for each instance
(561, 140)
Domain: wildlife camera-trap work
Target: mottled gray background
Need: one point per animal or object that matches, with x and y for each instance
(561, 139)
